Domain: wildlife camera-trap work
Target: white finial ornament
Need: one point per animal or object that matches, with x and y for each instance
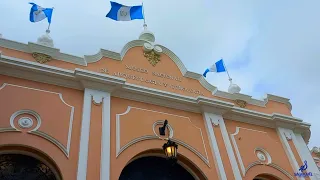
(233, 88)
(45, 39)
(0, 35)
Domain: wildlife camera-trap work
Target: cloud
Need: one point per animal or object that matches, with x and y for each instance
(268, 46)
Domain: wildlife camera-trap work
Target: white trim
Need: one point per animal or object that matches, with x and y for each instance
(84, 136)
(305, 154)
(83, 61)
(232, 136)
(232, 158)
(120, 149)
(80, 79)
(65, 150)
(105, 139)
(214, 145)
(286, 146)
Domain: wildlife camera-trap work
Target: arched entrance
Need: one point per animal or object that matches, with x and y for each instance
(265, 177)
(155, 168)
(18, 167)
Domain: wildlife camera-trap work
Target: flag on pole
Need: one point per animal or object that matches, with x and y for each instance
(217, 67)
(38, 13)
(119, 12)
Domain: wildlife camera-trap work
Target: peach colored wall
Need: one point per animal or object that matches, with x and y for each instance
(55, 117)
(137, 123)
(135, 57)
(94, 153)
(250, 137)
(296, 155)
(223, 153)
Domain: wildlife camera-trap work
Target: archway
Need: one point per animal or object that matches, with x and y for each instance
(18, 166)
(265, 177)
(155, 168)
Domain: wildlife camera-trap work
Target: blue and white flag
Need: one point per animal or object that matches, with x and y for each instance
(217, 67)
(119, 12)
(38, 13)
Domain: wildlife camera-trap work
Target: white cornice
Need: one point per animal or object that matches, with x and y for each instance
(80, 79)
(83, 61)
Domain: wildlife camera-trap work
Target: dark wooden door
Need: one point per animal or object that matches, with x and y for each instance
(154, 168)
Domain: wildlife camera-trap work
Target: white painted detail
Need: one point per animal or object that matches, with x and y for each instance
(286, 146)
(305, 155)
(232, 158)
(105, 140)
(25, 122)
(84, 136)
(214, 146)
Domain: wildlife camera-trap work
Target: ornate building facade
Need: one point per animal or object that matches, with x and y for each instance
(97, 117)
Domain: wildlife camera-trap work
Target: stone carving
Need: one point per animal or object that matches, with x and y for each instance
(152, 53)
(25, 122)
(215, 122)
(261, 156)
(41, 58)
(152, 57)
(288, 136)
(241, 103)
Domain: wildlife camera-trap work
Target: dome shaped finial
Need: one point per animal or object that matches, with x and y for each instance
(147, 35)
(45, 39)
(233, 88)
(0, 35)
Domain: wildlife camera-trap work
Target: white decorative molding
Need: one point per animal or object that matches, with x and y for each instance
(286, 146)
(25, 122)
(168, 126)
(120, 149)
(263, 155)
(214, 121)
(66, 150)
(227, 143)
(105, 140)
(214, 145)
(288, 135)
(28, 112)
(235, 145)
(98, 97)
(305, 155)
(256, 163)
(119, 56)
(80, 79)
(84, 136)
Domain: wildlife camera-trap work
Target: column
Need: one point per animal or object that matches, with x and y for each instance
(210, 118)
(305, 155)
(285, 135)
(97, 97)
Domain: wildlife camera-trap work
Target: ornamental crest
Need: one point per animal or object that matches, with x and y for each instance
(152, 53)
(41, 58)
(241, 103)
(152, 57)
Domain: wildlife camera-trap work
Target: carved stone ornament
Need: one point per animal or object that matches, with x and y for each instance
(241, 103)
(41, 58)
(288, 136)
(215, 122)
(25, 122)
(261, 156)
(152, 53)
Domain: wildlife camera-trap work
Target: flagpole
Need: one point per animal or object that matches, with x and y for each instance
(230, 79)
(144, 18)
(48, 30)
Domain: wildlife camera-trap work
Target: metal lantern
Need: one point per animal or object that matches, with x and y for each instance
(170, 149)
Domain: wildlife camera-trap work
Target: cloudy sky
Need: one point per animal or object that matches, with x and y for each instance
(269, 46)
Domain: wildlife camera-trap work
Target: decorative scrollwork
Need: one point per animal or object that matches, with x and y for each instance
(152, 57)
(41, 58)
(241, 103)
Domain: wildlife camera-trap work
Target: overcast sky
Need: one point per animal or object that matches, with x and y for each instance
(269, 46)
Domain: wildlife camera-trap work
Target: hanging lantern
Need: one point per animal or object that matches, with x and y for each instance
(170, 149)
